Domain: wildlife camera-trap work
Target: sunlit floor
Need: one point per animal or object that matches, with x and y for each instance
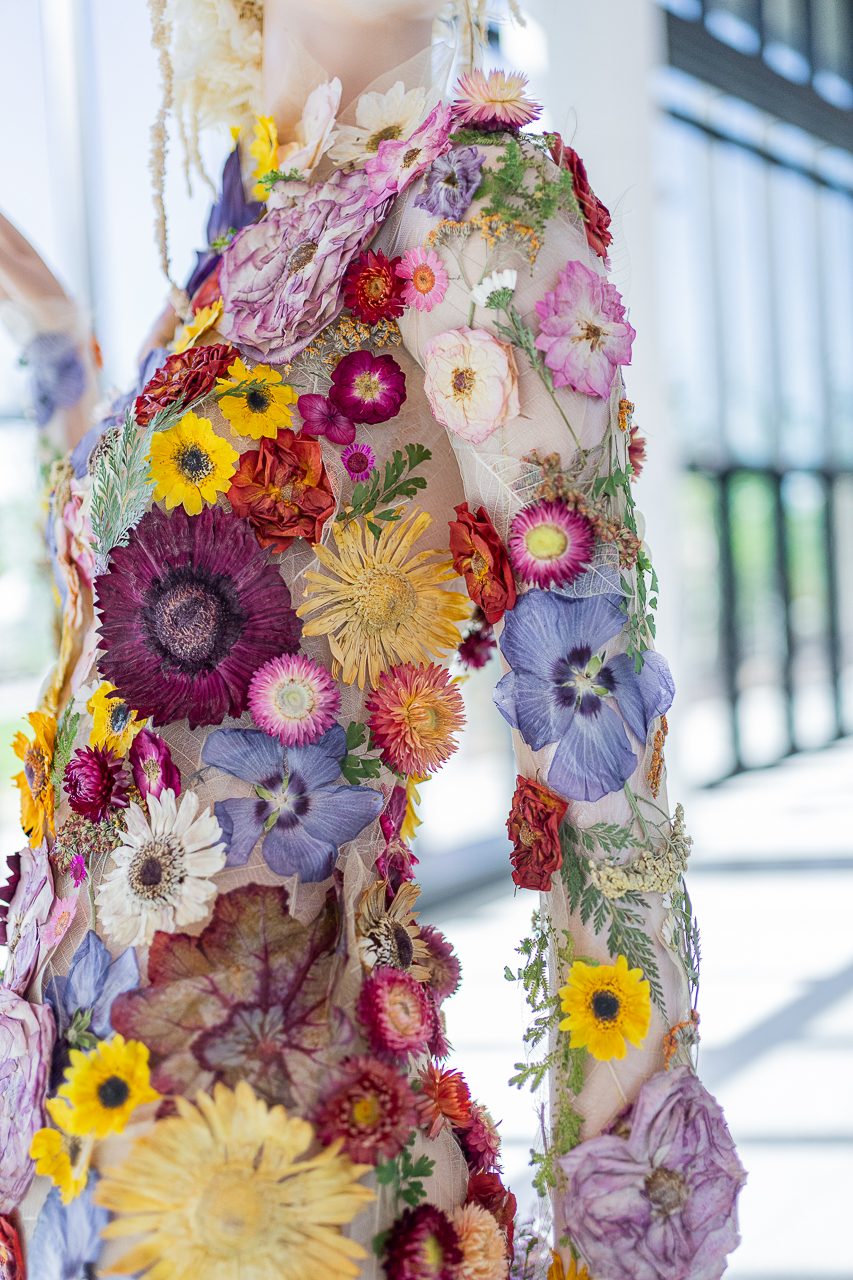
(772, 885)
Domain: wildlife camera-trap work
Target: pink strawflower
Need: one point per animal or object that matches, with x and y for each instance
(368, 388)
(59, 921)
(549, 544)
(399, 161)
(94, 782)
(471, 382)
(480, 1142)
(294, 699)
(359, 460)
(494, 101)
(321, 418)
(397, 1013)
(583, 331)
(152, 766)
(77, 867)
(636, 452)
(422, 1245)
(445, 971)
(425, 277)
(439, 1045)
(370, 1107)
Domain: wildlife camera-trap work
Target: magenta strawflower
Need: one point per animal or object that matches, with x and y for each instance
(370, 1108)
(94, 782)
(549, 544)
(425, 278)
(445, 971)
(152, 766)
(422, 1245)
(77, 867)
(294, 699)
(321, 418)
(583, 331)
(494, 101)
(359, 460)
(397, 1014)
(368, 388)
(480, 1142)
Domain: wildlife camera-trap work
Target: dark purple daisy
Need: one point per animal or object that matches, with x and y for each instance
(451, 183)
(94, 782)
(368, 388)
(562, 689)
(321, 418)
(190, 609)
(152, 766)
(298, 806)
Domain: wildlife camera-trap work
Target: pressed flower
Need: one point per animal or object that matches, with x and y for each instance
(322, 418)
(26, 1039)
(442, 963)
(190, 609)
(494, 101)
(636, 453)
(205, 319)
(487, 1190)
(67, 1238)
(558, 1270)
(152, 766)
(378, 602)
(95, 782)
(360, 461)
(368, 388)
(422, 1245)
(255, 410)
(444, 1100)
(549, 544)
(294, 699)
(399, 161)
(59, 921)
(34, 781)
(77, 869)
(185, 376)
(394, 114)
(314, 132)
(60, 1155)
(583, 333)
(227, 1185)
(480, 1141)
(396, 1012)
(424, 278)
(283, 490)
(396, 861)
(451, 183)
(104, 1087)
(471, 382)
(372, 289)
(533, 826)
(190, 464)
(477, 647)
(482, 1243)
(229, 213)
(11, 1252)
(607, 1006)
(413, 714)
(114, 723)
(264, 151)
(497, 282)
(388, 933)
(80, 838)
(596, 215)
(369, 1108)
(480, 557)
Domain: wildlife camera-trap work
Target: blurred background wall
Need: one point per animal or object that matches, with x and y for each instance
(720, 135)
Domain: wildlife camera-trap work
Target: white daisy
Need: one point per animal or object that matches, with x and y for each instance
(159, 879)
(491, 284)
(379, 116)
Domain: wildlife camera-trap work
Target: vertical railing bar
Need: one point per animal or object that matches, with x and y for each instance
(729, 615)
(783, 582)
(833, 623)
(809, 36)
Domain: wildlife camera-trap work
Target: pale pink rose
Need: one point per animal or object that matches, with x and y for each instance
(583, 331)
(471, 382)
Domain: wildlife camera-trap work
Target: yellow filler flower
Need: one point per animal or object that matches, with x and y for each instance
(264, 151)
(34, 782)
(191, 464)
(262, 409)
(607, 1007)
(114, 722)
(105, 1086)
(62, 1156)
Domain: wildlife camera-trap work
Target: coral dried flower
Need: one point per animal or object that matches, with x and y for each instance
(481, 558)
(283, 490)
(482, 1242)
(534, 829)
(444, 1100)
(413, 714)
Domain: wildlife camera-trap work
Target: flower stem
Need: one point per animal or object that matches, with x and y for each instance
(635, 809)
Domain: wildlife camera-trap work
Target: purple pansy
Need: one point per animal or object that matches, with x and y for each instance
(451, 183)
(26, 1040)
(562, 690)
(322, 418)
(67, 1240)
(231, 211)
(28, 910)
(656, 1198)
(298, 806)
(56, 373)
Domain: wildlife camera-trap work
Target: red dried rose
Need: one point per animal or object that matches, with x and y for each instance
(596, 215)
(283, 490)
(184, 376)
(487, 1190)
(481, 558)
(372, 289)
(534, 829)
(11, 1255)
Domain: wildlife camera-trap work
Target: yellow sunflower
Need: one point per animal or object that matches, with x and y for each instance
(105, 1086)
(62, 1156)
(191, 464)
(114, 723)
(226, 1188)
(606, 1005)
(34, 781)
(262, 410)
(378, 603)
(264, 151)
(205, 319)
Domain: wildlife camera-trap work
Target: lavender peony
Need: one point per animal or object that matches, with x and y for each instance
(27, 911)
(26, 1040)
(656, 1199)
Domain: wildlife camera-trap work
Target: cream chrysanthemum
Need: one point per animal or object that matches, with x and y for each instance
(378, 603)
(160, 877)
(394, 115)
(225, 1189)
(482, 1242)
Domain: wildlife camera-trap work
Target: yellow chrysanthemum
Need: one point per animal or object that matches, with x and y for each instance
(191, 464)
(62, 1156)
(205, 319)
(114, 723)
(226, 1188)
(264, 151)
(379, 604)
(558, 1271)
(105, 1086)
(262, 410)
(606, 1005)
(33, 781)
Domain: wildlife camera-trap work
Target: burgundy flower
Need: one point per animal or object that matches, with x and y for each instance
(396, 862)
(321, 418)
(190, 609)
(422, 1245)
(370, 1107)
(27, 1033)
(596, 216)
(368, 388)
(94, 782)
(656, 1198)
(477, 647)
(481, 558)
(534, 829)
(152, 766)
(7, 892)
(445, 971)
(372, 289)
(397, 1014)
(185, 376)
(283, 490)
(480, 1142)
(487, 1190)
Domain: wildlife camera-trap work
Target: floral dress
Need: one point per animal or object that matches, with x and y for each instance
(390, 438)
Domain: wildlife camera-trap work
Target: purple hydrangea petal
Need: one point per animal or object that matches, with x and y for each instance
(643, 695)
(593, 757)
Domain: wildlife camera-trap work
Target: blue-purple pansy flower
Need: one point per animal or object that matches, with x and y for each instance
(230, 212)
(300, 808)
(451, 183)
(66, 1243)
(563, 688)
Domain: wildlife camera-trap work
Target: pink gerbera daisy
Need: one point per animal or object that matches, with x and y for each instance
(494, 101)
(425, 278)
(549, 544)
(359, 460)
(294, 699)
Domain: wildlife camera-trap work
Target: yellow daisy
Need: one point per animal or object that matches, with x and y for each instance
(62, 1156)
(226, 1188)
(264, 151)
(34, 782)
(191, 464)
(114, 723)
(606, 1005)
(262, 410)
(105, 1086)
(378, 603)
(205, 319)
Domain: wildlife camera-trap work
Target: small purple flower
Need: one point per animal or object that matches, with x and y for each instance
(583, 331)
(67, 1241)
(26, 1039)
(656, 1199)
(360, 461)
(152, 766)
(451, 183)
(398, 161)
(56, 372)
(321, 418)
(77, 867)
(368, 388)
(28, 909)
(298, 808)
(561, 689)
(83, 998)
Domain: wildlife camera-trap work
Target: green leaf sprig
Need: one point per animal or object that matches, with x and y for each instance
(378, 498)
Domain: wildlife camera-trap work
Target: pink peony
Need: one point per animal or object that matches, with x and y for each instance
(583, 331)
(396, 1012)
(471, 382)
(27, 1033)
(399, 161)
